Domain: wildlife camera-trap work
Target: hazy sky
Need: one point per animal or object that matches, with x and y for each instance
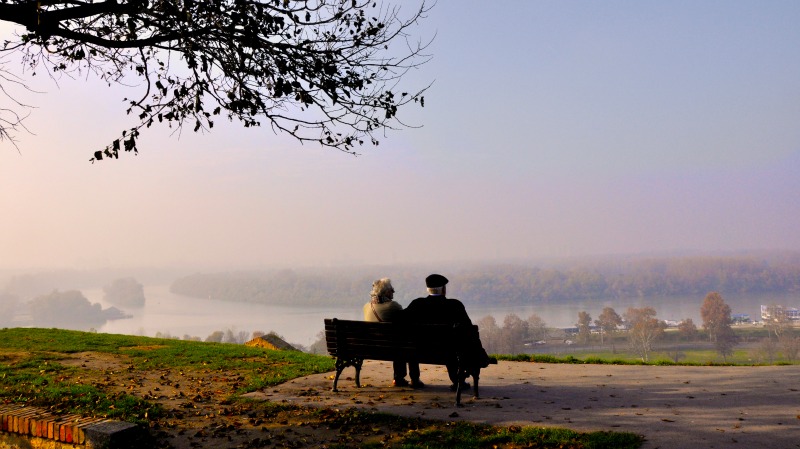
(552, 129)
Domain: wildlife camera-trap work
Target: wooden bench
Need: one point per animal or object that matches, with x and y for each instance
(352, 342)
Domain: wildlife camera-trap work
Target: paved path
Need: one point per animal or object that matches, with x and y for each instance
(672, 406)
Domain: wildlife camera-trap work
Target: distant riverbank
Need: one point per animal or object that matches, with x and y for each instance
(177, 315)
(167, 313)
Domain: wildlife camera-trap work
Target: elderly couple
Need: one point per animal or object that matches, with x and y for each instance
(436, 308)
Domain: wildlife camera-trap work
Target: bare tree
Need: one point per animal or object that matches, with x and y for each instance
(490, 334)
(537, 328)
(514, 333)
(215, 337)
(319, 346)
(778, 322)
(790, 345)
(166, 335)
(584, 326)
(242, 337)
(725, 341)
(322, 71)
(234, 336)
(257, 334)
(643, 330)
(766, 350)
(11, 120)
(229, 337)
(688, 329)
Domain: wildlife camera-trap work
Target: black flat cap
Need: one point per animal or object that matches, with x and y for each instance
(435, 281)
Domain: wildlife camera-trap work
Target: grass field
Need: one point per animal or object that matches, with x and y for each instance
(687, 357)
(685, 354)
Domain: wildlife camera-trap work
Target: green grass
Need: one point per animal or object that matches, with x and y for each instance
(265, 368)
(468, 435)
(63, 341)
(692, 357)
(38, 379)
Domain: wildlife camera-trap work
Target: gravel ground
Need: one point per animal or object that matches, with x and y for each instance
(672, 406)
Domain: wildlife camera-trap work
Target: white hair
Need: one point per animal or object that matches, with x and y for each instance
(435, 290)
(380, 289)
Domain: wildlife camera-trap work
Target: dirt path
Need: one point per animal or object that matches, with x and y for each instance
(673, 407)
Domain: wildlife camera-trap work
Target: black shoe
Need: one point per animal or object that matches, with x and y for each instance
(399, 383)
(417, 384)
(464, 386)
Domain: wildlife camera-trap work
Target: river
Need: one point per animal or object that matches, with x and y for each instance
(176, 315)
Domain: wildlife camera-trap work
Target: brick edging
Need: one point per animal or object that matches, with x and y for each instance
(29, 421)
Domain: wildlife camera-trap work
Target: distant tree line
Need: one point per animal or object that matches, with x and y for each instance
(514, 333)
(507, 285)
(126, 292)
(69, 310)
(641, 330)
(635, 278)
(286, 287)
(233, 336)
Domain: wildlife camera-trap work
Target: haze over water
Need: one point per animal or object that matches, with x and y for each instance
(551, 130)
(175, 315)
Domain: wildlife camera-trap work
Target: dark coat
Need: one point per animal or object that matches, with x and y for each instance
(436, 309)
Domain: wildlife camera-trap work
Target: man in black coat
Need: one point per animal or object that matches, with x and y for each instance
(437, 308)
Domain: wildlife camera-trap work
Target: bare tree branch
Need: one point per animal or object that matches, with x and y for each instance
(324, 71)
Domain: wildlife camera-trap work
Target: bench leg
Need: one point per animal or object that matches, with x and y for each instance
(357, 363)
(476, 375)
(340, 366)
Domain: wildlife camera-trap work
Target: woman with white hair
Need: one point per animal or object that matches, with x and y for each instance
(383, 308)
